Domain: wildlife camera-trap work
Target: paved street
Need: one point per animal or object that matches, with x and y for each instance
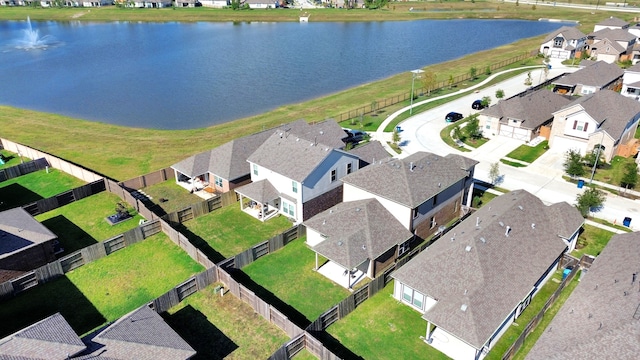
(542, 178)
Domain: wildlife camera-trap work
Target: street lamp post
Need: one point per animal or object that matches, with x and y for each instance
(415, 73)
(595, 163)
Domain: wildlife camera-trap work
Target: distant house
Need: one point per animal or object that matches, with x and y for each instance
(215, 3)
(612, 23)
(422, 191)
(25, 244)
(611, 45)
(563, 43)
(295, 175)
(186, 3)
(604, 119)
(260, 4)
(631, 82)
(360, 238)
(589, 79)
(473, 283)
(601, 317)
(51, 338)
(370, 152)
(151, 3)
(225, 168)
(141, 334)
(522, 117)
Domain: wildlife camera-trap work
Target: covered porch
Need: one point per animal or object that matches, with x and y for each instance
(197, 185)
(339, 274)
(259, 199)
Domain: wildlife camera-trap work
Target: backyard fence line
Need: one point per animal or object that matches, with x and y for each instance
(531, 326)
(149, 179)
(64, 198)
(383, 103)
(23, 169)
(55, 162)
(266, 247)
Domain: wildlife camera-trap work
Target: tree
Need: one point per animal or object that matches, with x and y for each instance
(528, 81)
(494, 172)
(573, 164)
(375, 4)
(473, 72)
(499, 94)
(487, 70)
(591, 199)
(590, 158)
(396, 136)
(630, 176)
(458, 134)
(429, 80)
(472, 129)
(450, 81)
(486, 101)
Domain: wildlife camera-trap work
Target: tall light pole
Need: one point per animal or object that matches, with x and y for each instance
(595, 163)
(415, 74)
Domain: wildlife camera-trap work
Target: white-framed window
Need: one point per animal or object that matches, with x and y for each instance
(288, 208)
(580, 125)
(217, 180)
(432, 222)
(412, 297)
(348, 168)
(557, 42)
(255, 169)
(403, 248)
(488, 126)
(631, 90)
(334, 175)
(294, 186)
(587, 91)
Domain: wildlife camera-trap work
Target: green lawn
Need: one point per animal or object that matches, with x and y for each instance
(304, 355)
(528, 153)
(481, 198)
(591, 241)
(83, 222)
(37, 185)
(512, 163)
(10, 159)
(229, 231)
(288, 274)
(105, 289)
(224, 327)
(445, 135)
(177, 196)
(613, 172)
(384, 328)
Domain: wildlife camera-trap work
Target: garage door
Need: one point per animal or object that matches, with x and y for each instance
(514, 132)
(563, 144)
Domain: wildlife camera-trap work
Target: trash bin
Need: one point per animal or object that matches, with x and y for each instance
(398, 129)
(580, 184)
(626, 222)
(566, 273)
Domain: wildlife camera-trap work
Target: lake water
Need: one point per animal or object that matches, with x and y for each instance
(189, 75)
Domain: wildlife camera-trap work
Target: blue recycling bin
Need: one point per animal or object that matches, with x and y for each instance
(398, 129)
(626, 222)
(580, 184)
(566, 273)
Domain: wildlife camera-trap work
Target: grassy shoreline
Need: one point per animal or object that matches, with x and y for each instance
(123, 152)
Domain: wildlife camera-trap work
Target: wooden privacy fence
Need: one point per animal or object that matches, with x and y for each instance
(257, 251)
(54, 161)
(202, 208)
(64, 198)
(511, 352)
(382, 103)
(153, 178)
(23, 169)
(174, 296)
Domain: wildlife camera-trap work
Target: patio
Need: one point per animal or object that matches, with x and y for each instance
(197, 187)
(340, 275)
(259, 199)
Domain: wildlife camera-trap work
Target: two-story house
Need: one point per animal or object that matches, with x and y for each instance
(604, 119)
(611, 45)
(591, 77)
(422, 191)
(612, 23)
(295, 176)
(631, 82)
(563, 43)
(472, 284)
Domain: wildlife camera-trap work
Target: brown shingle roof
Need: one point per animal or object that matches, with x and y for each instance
(356, 231)
(482, 268)
(601, 317)
(534, 109)
(19, 230)
(599, 75)
(412, 180)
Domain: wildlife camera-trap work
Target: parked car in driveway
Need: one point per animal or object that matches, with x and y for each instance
(477, 105)
(453, 117)
(354, 136)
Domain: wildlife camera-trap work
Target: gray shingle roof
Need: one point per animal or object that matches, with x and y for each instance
(568, 32)
(610, 109)
(601, 317)
(534, 109)
(564, 219)
(370, 152)
(613, 21)
(356, 231)
(277, 154)
(613, 34)
(261, 191)
(19, 230)
(143, 334)
(480, 267)
(634, 68)
(412, 180)
(51, 338)
(599, 75)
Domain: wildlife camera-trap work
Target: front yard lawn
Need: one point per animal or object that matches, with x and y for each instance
(613, 172)
(224, 327)
(83, 222)
(528, 153)
(288, 273)
(103, 290)
(229, 231)
(384, 328)
(177, 196)
(591, 241)
(37, 185)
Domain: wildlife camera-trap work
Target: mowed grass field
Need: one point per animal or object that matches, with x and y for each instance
(25, 189)
(103, 290)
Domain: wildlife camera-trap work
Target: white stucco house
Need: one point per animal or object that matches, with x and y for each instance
(215, 3)
(295, 175)
(472, 285)
(631, 82)
(563, 43)
(603, 119)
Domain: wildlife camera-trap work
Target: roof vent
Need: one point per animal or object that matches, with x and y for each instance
(463, 307)
(297, 139)
(468, 248)
(324, 222)
(507, 231)
(520, 207)
(357, 209)
(484, 241)
(501, 223)
(321, 132)
(364, 247)
(331, 211)
(411, 166)
(533, 225)
(439, 184)
(453, 237)
(477, 221)
(339, 242)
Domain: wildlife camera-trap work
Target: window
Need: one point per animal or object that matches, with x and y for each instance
(217, 180)
(333, 175)
(435, 199)
(432, 222)
(488, 126)
(580, 126)
(412, 297)
(415, 213)
(557, 42)
(403, 248)
(455, 207)
(255, 169)
(294, 187)
(288, 209)
(631, 90)
(349, 168)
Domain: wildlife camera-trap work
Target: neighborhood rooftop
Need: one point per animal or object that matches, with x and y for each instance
(598, 74)
(568, 32)
(19, 230)
(534, 108)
